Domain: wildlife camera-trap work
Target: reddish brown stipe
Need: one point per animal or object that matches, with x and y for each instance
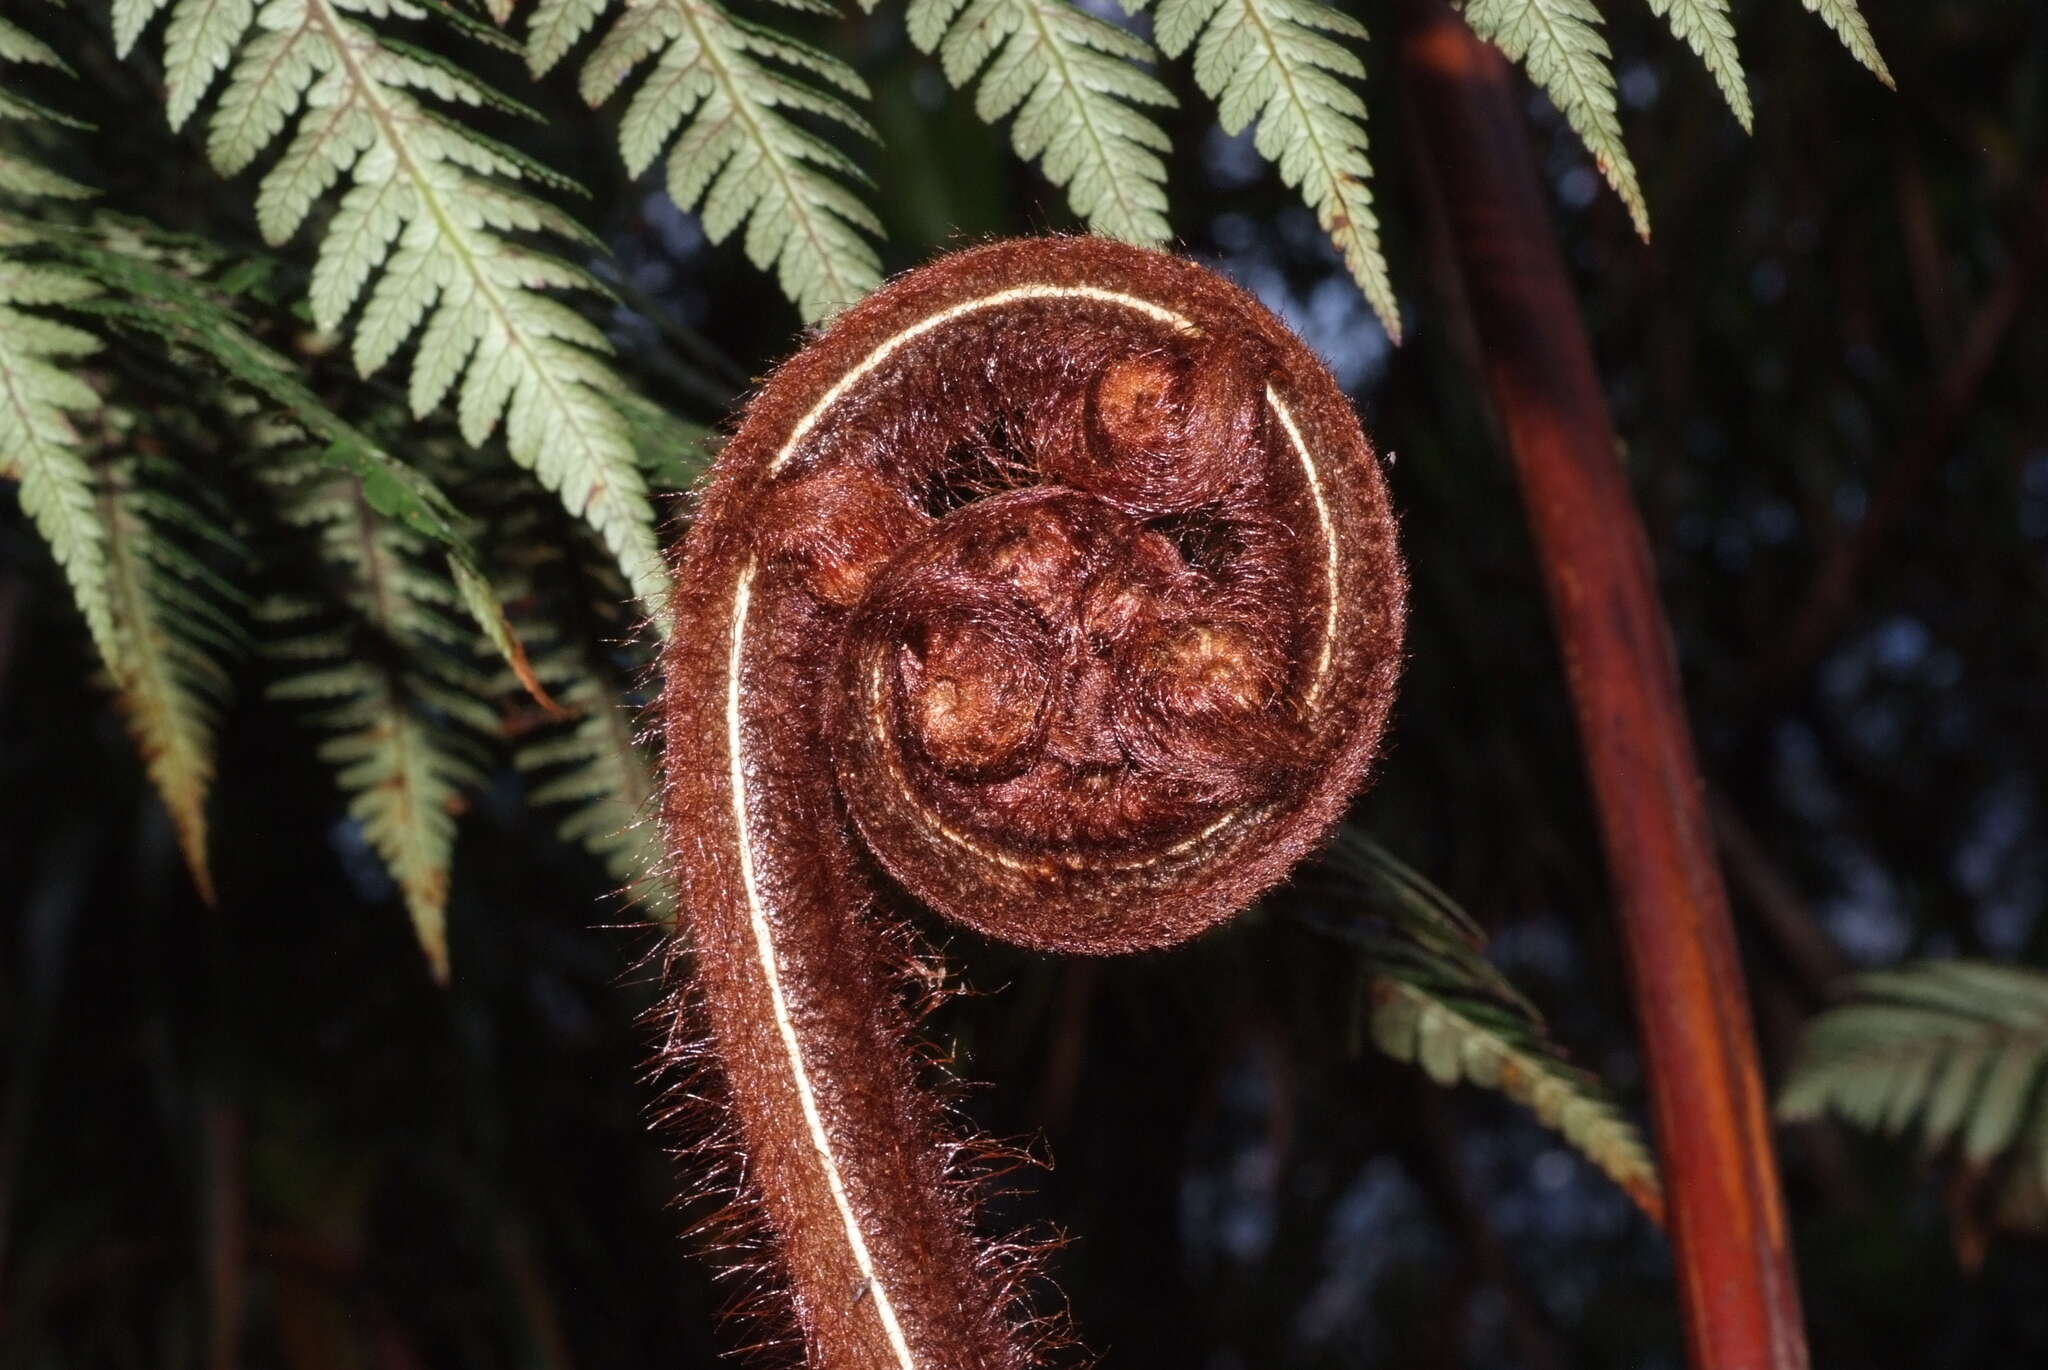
(1727, 1221)
(1056, 585)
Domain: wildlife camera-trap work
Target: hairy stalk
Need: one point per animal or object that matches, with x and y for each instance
(1055, 588)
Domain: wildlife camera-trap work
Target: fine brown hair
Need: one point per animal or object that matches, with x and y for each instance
(1055, 587)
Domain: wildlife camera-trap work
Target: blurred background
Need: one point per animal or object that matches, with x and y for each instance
(1827, 372)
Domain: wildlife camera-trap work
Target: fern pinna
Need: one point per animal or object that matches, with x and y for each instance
(1956, 1049)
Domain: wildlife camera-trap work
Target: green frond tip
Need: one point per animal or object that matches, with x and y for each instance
(179, 631)
(719, 98)
(1846, 19)
(1454, 1043)
(17, 44)
(1958, 1048)
(1076, 87)
(1438, 1002)
(1708, 29)
(1280, 62)
(22, 179)
(432, 242)
(1559, 43)
(403, 725)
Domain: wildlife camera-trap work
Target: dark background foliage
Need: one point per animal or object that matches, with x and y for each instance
(1827, 373)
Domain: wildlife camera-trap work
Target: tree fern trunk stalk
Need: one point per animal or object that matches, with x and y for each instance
(1727, 1220)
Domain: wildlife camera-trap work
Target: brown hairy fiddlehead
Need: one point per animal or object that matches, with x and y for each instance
(1054, 585)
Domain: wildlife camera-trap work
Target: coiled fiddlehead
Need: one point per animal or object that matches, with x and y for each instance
(1054, 584)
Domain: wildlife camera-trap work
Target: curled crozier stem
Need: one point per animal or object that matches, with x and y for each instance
(1055, 585)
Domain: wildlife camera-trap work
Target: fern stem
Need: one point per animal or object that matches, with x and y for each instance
(1727, 1219)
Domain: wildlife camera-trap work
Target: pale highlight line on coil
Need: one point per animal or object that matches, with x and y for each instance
(1315, 489)
(764, 947)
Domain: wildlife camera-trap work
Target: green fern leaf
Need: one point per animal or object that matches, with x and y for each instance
(1559, 43)
(391, 686)
(26, 180)
(1960, 1047)
(201, 40)
(1455, 1038)
(1846, 19)
(728, 87)
(1709, 30)
(17, 44)
(554, 28)
(1438, 1002)
(177, 627)
(22, 178)
(131, 17)
(428, 242)
(141, 294)
(1276, 61)
(1073, 82)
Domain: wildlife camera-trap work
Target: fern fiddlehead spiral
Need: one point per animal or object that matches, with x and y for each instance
(1056, 586)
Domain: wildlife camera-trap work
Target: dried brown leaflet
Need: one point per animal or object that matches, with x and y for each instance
(1054, 585)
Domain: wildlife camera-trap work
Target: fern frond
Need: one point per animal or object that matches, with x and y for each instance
(1456, 1037)
(40, 395)
(1280, 62)
(1709, 30)
(1439, 1003)
(150, 286)
(728, 87)
(178, 628)
(1958, 1047)
(426, 240)
(1559, 43)
(391, 684)
(1845, 17)
(1076, 86)
(41, 390)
